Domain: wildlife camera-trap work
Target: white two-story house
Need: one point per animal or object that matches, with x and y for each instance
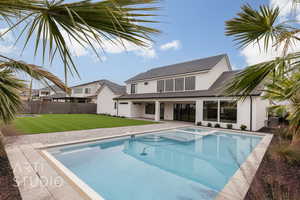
(189, 91)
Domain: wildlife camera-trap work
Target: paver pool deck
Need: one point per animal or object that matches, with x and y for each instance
(38, 180)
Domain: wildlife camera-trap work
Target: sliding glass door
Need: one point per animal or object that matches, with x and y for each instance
(185, 112)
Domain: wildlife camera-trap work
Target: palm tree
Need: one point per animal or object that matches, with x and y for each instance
(279, 92)
(50, 23)
(263, 27)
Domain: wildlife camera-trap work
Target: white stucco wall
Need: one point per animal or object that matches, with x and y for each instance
(105, 102)
(205, 80)
(260, 114)
(124, 109)
(169, 110)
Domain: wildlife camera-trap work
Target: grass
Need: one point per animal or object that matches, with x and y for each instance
(67, 122)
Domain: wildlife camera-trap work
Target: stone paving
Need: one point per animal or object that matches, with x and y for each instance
(37, 179)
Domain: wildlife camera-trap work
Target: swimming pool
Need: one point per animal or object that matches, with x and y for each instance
(184, 164)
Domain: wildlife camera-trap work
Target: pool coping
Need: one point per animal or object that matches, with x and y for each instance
(243, 176)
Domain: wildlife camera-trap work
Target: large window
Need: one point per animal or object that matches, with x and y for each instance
(150, 108)
(133, 88)
(169, 85)
(228, 111)
(78, 90)
(87, 90)
(210, 110)
(179, 82)
(190, 83)
(160, 85)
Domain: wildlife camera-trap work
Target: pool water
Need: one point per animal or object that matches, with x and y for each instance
(168, 165)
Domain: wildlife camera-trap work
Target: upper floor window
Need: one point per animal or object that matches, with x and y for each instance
(169, 85)
(133, 88)
(87, 90)
(190, 83)
(160, 85)
(78, 90)
(179, 83)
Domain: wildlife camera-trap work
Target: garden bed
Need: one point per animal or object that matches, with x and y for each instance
(278, 176)
(8, 187)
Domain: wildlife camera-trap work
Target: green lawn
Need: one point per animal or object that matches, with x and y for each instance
(66, 122)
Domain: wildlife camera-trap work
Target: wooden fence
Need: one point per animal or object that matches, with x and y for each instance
(39, 107)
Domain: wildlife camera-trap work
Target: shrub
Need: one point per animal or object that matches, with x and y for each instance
(243, 127)
(209, 124)
(217, 125)
(229, 126)
(199, 123)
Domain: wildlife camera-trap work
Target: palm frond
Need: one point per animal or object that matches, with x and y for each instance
(90, 23)
(9, 96)
(34, 71)
(252, 26)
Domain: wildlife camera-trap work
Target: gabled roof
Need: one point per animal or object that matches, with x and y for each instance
(114, 87)
(202, 64)
(52, 88)
(216, 90)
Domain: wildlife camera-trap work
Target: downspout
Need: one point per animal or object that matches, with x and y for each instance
(118, 107)
(251, 102)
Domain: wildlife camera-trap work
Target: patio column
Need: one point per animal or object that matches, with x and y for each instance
(157, 110)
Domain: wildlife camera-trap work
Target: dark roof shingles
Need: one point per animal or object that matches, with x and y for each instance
(202, 64)
(214, 91)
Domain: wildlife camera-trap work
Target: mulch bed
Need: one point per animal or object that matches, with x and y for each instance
(275, 179)
(8, 187)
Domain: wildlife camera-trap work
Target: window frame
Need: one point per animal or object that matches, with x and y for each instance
(163, 85)
(166, 80)
(185, 85)
(87, 89)
(220, 111)
(133, 88)
(78, 89)
(182, 84)
(217, 112)
(151, 112)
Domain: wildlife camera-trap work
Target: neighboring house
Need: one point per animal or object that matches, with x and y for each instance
(189, 91)
(105, 95)
(89, 90)
(47, 93)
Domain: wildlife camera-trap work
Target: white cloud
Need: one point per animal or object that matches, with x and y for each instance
(120, 46)
(115, 46)
(6, 42)
(175, 44)
(287, 8)
(255, 53)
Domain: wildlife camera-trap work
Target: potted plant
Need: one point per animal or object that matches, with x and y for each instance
(199, 123)
(208, 124)
(217, 125)
(243, 127)
(229, 126)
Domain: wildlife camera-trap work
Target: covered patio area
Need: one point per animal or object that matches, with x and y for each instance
(184, 110)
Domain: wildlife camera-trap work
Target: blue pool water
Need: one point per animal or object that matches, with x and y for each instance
(169, 165)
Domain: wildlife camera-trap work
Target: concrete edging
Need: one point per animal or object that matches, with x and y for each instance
(235, 189)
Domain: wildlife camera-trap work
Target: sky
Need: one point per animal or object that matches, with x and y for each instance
(191, 29)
